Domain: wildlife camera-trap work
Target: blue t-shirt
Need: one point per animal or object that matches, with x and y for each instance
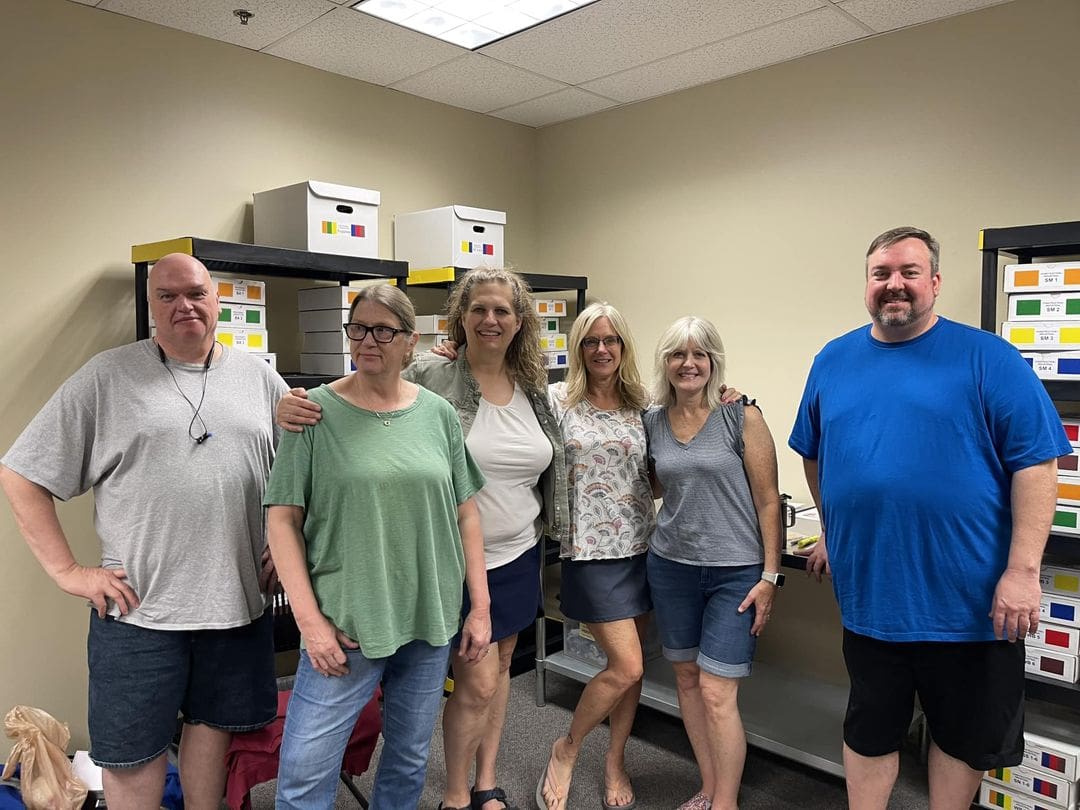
(916, 444)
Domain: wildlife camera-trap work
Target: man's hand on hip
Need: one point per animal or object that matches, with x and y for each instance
(99, 585)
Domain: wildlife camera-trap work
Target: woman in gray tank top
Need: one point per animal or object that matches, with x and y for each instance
(714, 559)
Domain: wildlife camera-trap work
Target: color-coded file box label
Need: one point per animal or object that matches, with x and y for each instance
(1044, 307)
(991, 794)
(1050, 277)
(1060, 579)
(1056, 637)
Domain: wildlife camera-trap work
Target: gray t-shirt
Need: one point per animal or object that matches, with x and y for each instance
(708, 515)
(184, 520)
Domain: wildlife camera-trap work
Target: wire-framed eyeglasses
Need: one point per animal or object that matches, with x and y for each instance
(381, 334)
(593, 343)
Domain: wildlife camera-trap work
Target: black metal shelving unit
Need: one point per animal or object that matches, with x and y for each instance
(1025, 243)
(240, 259)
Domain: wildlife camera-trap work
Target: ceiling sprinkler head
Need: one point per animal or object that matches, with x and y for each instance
(243, 14)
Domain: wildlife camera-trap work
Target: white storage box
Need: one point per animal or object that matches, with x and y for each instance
(432, 324)
(326, 342)
(1060, 579)
(333, 364)
(1056, 637)
(427, 342)
(1069, 466)
(1054, 365)
(550, 307)
(1052, 745)
(552, 342)
(323, 320)
(1045, 307)
(248, 340)
(1050, 664)
(556, 359)
(1072, 430)
(1053, 789)
(269, 357)
(325, 297)
(240, 290)
(242, 316)
(1066, 519)
(1059, 610)
(1042, 334)
(320, 217)
(1068, 491)
(452, 236)
(1048, 277)
(994, 794)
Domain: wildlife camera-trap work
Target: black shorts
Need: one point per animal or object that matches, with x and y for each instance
(972, 694)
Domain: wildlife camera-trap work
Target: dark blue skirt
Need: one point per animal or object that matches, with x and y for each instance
(514, 589)
(604, 590)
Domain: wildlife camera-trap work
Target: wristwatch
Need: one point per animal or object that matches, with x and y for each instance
(775, 577)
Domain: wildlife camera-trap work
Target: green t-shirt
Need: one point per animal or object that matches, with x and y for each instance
(380, 517)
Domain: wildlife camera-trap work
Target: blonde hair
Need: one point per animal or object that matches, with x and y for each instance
(631, 390)
(678, 336)
(523, 354)
(394, 300)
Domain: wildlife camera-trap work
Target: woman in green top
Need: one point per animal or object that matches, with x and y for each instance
(373, 527)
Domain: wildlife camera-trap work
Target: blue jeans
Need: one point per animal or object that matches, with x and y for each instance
(697, 613)
(323, 711)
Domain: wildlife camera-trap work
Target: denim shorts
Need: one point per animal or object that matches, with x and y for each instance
(142, 679)
(697, 614)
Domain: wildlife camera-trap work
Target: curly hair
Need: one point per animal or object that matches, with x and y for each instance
(631, 391)
(523, 355)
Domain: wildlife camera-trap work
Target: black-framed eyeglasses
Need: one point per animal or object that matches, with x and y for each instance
(381, 334)
(593, 343)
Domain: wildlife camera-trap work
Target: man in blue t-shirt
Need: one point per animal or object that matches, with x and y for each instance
(930, 448)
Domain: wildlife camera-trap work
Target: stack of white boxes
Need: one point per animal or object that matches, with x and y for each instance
(432, 329)
(323, 311)
(1047, 777)
(1067, 511)
(552, 337)
(242, 319)
(1052, 651)
(1044, 317)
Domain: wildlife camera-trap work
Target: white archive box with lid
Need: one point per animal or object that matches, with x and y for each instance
(452, 236)
(319, 217)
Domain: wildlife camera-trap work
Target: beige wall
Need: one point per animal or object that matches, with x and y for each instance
(118, 132)
(751, 201)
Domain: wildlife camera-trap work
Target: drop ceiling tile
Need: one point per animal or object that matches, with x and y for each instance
(475, 82)
(87, 2)
(363, 47)
(815, 31)
(613, 35)
(272, 19)
(556, 107)
(887, 15)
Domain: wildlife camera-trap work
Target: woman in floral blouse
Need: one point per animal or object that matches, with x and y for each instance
(603, 561)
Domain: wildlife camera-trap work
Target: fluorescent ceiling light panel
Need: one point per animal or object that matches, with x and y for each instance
(468, 23)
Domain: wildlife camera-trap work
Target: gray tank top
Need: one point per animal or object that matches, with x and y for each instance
(708, 516)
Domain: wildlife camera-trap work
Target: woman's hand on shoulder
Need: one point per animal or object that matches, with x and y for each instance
(295, 410)
(448, 349)
(729, 395)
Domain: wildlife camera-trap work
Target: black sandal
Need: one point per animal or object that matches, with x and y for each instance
(481, 797)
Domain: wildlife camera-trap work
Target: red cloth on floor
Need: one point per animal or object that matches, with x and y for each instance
(252, 757)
